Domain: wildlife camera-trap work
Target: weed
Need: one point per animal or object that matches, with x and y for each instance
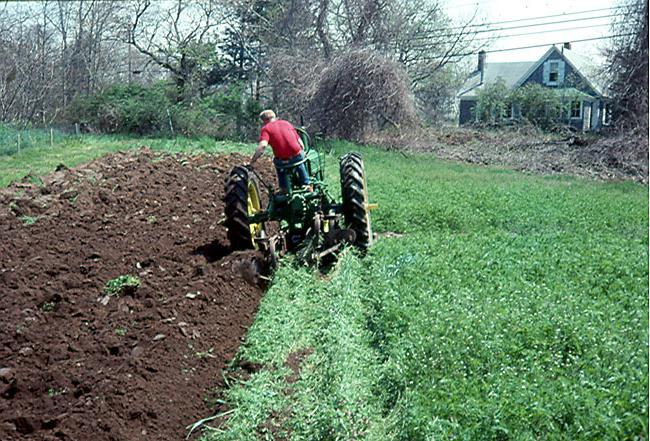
(125, 284)
(48, 306)
(29, 220)
(205, 354)
(120, 332)
(152, 220)
(52, 392)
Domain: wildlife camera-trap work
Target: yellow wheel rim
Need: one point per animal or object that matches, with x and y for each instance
(254, 206)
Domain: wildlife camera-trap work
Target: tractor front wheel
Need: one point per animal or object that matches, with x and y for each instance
(242, 200)
(355, 199)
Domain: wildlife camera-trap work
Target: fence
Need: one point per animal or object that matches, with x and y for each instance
(14, 140)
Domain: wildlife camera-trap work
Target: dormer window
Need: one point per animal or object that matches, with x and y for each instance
(554, 72)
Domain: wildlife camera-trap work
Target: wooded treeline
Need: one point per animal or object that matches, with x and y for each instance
(215, 55)
(349, 67)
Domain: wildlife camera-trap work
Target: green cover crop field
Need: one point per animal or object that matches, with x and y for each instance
(494, 305)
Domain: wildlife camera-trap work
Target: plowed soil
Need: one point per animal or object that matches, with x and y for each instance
(79, 364)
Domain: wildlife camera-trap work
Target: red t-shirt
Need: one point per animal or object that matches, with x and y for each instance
(282, 138)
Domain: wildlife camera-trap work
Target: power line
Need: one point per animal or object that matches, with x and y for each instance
(501, 37)
(480, 31)
(528, 47)
(565, 14)
(479, 25)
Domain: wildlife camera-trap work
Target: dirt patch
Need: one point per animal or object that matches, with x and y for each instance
(607, 156)
(77, 363)
(276, 424)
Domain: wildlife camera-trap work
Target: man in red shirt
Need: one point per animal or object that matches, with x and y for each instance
(287, 147)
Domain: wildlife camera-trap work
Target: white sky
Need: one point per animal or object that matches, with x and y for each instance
(490, 11)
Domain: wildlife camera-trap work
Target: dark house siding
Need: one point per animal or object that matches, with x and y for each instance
(466, 111)
(571, 77)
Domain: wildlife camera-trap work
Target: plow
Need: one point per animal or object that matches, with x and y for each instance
(310, 222)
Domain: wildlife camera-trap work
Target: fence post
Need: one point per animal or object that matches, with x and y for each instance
(51, 137)
(18, 142)
(169, 117)
(76, 128)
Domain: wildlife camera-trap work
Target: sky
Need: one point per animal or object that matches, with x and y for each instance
(491, 11)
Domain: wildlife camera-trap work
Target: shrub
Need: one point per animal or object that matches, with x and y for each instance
(127, 108)
(540, 106)
(492, 103)
(360, 93)
(226, 113)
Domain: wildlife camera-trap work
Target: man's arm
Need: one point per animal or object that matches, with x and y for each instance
(259, 150)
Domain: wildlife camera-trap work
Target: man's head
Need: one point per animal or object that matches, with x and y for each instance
(267, 116)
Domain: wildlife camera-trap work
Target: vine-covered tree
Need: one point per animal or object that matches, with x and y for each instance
(628, 66)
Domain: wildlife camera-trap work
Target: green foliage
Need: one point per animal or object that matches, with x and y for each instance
(48, 306)
(124, 108)
(124, 284)
(543, 107)
(225, 113)
(492, 103)
(29, 220)
(503, 307)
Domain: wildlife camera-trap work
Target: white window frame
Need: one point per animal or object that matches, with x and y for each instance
(607, 115)
(552, 63)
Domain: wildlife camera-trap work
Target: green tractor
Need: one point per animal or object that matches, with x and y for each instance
(311, 223)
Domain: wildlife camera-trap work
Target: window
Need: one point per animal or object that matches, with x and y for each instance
(554, 72)
(576, 109)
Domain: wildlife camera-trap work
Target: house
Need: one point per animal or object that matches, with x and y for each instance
(566, 73)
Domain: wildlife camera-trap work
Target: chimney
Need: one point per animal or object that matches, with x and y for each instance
(481, 63)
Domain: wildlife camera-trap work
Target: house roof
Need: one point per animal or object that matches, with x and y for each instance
(587, 69)
(510, 73)
(514, 74)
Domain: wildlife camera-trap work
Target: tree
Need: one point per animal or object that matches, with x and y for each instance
(293, 42)
(181, 39)
(628, 66)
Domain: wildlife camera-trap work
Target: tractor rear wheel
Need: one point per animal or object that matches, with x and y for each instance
(242, 200)
(355, 199)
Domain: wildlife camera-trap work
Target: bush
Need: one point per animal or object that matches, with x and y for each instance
(127, 108)
(361, 93)
(492, 103)
(540, 106)
(226, 113)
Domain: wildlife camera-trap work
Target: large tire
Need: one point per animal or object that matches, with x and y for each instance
(355, 199)
(242, 199)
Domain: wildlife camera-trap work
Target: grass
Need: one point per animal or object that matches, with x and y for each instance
(511, 307)
(42, 158)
